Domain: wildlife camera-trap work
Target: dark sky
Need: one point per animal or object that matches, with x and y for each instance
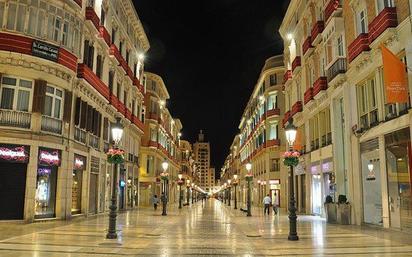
(209, 53)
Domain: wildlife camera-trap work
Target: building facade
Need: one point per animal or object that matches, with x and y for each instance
(201, 156)
(261, 139)
(354, 142)
(160, 142)
(68, 69)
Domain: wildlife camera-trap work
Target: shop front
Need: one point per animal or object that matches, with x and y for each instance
(300, 186)
(45, 199)
(316, 188)
(94, 184)
(78, 169)
(13, 169)
(398, 165)
(274, 191)
(323, 184)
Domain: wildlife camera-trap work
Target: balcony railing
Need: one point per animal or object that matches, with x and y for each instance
(307, 44)
(94, 141)
(116, 53)
(103, 33)
(296, 63)
(86, 73)
(273, 112)
(286, 117)
(319, 85)
(287, 76)
(317, 30)
(92, 16)
(273, 142)
(297, 107)
(80, 135)
(332, 7)
(50, 124)
(359, 45)
(308, 96)
(339, 67)
(79, 2)
(387, 18)
(16, 119)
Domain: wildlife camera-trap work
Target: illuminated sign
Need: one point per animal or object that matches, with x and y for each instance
(49, 157)
(274, 181)
(13, 153)
(79, 162)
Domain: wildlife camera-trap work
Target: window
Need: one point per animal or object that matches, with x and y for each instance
(367, 105)
(382, 4)
(340, 46)
(362, 24)
(273, 132)
(16, 94)
(53, 102)
(99, 66)
(273, 79)
(275, 165)
(150, 164)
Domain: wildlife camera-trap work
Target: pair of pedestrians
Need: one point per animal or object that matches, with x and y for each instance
(267, 201)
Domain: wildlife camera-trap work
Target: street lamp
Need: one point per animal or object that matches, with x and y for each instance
(235, 182)
(249, 178)
(225, 194)
(117, 132)
(187, 191)
(165, 178)
(229, 190)
(180, 182)
(291, 131)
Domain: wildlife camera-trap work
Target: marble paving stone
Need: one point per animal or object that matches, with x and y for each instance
(212, 229)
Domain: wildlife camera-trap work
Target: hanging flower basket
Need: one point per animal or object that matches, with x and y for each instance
(291, 158)
(115, 156)
(249, 177)
(164, 176)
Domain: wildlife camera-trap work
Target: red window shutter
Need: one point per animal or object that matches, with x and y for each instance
(77, 111)
(83, 115)
(39, 94)
(67, 111)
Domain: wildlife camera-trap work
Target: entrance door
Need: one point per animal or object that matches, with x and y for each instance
(316, 195)
(275, 194)
(12, 190)
(93, 193)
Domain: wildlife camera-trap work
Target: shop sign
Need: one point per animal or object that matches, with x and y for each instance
(45, 50)
(315, 168)
(49, 157)
(274, 182)
(14, 153)
(79, 162)
(327, 167)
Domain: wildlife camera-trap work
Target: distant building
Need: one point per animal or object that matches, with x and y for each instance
(201, 151)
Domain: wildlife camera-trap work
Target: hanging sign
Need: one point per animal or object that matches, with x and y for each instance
(79, 162)
(14, 153)
(49, 157)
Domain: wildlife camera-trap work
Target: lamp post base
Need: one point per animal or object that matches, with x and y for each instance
(293, 238)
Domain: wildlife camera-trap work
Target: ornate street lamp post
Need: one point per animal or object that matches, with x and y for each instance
(290, 131)
(225, 194)
(249, 178)
(117, 133)
(180, 182)
(235, 182)
(229, 190)
(187, 191)
(165, 177)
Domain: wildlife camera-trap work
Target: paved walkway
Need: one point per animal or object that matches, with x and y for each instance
(212, 229)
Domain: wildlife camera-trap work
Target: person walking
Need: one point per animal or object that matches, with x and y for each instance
(155, 201)
(267, 201)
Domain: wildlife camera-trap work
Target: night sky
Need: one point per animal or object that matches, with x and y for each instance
(210, 53)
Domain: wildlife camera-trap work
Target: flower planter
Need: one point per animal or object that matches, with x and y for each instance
(331, 212)
(343, 214)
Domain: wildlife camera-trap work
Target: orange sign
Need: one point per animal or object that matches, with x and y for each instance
(396, 84)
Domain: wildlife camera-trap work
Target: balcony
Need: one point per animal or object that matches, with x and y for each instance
(297, 107)
(51, 125)
(296, 63)
(92, 16)
(273, 113)
(80, 135)
(333, 8)
(359, 45)
(320, 84)
(116, 53)
(16, 119)
(287, 76)
(136, 82)
(152, 116)
(307, 47)
(273, 142)
(79, 2)
(286, 117)
(152, 144)
(103, 33)
(316, 32)
(338, 67)
(94, 141)
(308, 96)
(136, 121)
(86, 73)
(387, 18)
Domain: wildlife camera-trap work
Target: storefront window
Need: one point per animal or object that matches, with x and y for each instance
(398, 158)
(78, 167)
